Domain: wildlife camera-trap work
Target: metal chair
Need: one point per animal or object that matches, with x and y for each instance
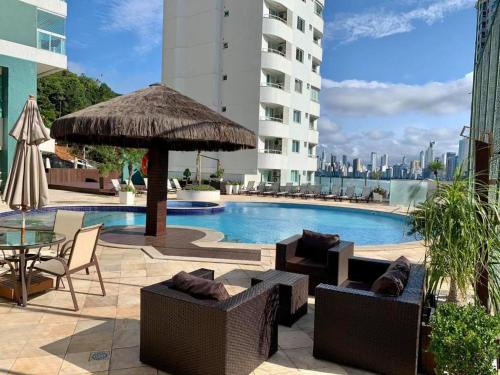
(81, 257)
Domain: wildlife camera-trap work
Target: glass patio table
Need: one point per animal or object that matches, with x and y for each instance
(20, 241)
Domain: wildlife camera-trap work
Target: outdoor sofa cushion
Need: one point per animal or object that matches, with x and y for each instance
(315, 245)
(199, 287)
(307, 266)
(393, 281)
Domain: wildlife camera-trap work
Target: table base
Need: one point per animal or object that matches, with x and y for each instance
(39, 284)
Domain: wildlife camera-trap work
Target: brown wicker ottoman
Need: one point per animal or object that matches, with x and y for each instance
(293, 290)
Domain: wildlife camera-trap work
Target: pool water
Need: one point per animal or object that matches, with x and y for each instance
(268, 222)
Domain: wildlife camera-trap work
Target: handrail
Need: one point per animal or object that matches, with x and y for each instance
(278, 85)
(271, 50)
(275, 119)
(270, 151)
(272, 16)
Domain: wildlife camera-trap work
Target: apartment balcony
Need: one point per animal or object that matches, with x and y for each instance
(276, 26)
(317, 22)
(315, 79)
(317, 51)
(271, 160)
(314, 108)
(272, 128)
(51, 42)
(313, 136)
(276, 60)
(274, 94)
(312, 163)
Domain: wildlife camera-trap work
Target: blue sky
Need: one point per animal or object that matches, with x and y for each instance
(397, 73)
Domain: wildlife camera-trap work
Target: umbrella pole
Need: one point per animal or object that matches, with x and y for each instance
(156, 210)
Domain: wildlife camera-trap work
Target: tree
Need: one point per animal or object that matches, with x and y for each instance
(64, 92)
(131, 157)
(436, 166)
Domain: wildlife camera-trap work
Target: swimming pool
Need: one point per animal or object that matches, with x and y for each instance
(257, 222)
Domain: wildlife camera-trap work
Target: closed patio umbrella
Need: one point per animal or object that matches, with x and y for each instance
(26, 186)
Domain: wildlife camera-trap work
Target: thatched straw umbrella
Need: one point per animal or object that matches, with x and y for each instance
(160, 119)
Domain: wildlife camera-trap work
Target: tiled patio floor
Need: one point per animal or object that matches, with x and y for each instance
(47, 337)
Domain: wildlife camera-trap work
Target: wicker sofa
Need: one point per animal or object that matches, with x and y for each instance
(356, 327)
(334, 272)
(181, 334)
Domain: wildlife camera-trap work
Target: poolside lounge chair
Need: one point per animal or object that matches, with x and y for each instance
(314, 192)
(359, 328)
(177, 184)
(334, 194)
(81, 257)
(181, 334)
(259, 190)
(249, 187)
(170, 189)
(365, 196)
(272, 190)
(285, 191)
(116, 185)
(304, 188)
(350, 194)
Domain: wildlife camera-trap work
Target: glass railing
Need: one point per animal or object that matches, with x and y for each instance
(272, 50)
(51, 42)
(278, 85)
(275, 17)
(271, 118)
(271, 151)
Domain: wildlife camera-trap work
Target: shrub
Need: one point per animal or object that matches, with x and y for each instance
(463, 340)
(200, 188)
(127, 189)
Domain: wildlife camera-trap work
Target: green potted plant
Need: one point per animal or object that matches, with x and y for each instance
(129, 158)
(464, 340)
(220, 174)
(187, 175)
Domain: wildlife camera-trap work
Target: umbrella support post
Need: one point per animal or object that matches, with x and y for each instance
(156, 211)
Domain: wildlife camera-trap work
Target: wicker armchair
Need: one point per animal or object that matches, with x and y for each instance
(184, 335)
(333, 272)
(356, 327)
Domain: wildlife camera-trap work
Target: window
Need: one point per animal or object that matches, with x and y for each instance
(224, 109)
(301, 24)
(318, 9)
(226, 13)
(314, 94)
(298, 85)
(226, 45)
(294, 176)
(295, 146)
(299, 55)
(224, 77)
(297, 117)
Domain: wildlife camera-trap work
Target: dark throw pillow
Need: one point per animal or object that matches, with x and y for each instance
(315, 245)
(393, 281)
(198, 287)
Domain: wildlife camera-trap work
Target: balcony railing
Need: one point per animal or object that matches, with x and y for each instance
(275, 17)
(271, 151)
(271, 118)
(278, 85)
(318, 9)
(272, 50)
(51, 42)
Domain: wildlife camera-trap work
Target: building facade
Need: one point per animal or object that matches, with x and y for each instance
(486, 10)
(485, 114)
(32, 44)
(258, 63)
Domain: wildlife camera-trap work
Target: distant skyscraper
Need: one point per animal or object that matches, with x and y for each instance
(422, 159)
(403, 162)
(429, 154)
(384, 161)
(344, 159)
(357, 167)
(451, 165)
(374, 161)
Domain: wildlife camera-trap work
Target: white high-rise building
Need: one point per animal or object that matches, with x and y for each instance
(422, 160)
(258, 63)
(374, 161)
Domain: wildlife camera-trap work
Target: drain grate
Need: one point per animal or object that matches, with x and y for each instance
(99, 356)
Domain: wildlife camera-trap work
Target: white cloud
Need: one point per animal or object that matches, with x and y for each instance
(141, 17)
(382, 23)
(76, 67)
(371, 98)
